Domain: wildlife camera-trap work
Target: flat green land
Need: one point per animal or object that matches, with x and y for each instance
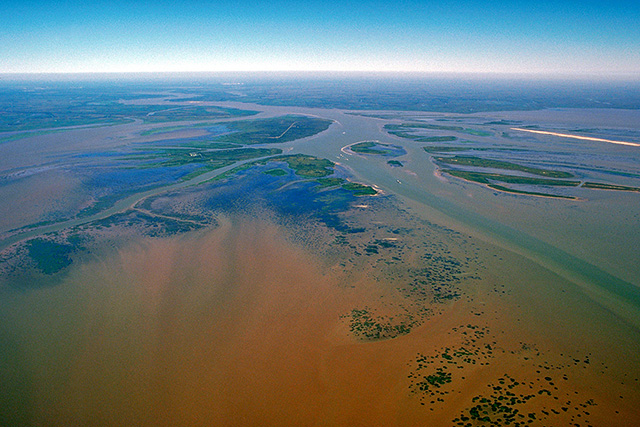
(207, 160)
(499, 164)
(273, 130)
(167, 129)
(48, 110)
(367, 148)
(405, 130)
(528, 193)
(600, 186)
(307, 166)
(444, 149)
(359, 189)
(214, 145)
(195, 113)
(436, 139)
(488, 178)
(432, 127)
(184, 157)
(276, 172)
(329, 182)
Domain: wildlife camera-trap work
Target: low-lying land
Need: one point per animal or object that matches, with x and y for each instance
(274, 130)
(499, 164)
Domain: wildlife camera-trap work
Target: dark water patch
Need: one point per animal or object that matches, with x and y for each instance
(50, 257)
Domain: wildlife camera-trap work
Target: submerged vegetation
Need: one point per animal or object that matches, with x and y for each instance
(49, 256)
(364, 325)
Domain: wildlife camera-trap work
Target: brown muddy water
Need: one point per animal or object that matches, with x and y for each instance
(239, 326)
(225, 327)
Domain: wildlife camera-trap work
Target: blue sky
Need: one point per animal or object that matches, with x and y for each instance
(545, 37)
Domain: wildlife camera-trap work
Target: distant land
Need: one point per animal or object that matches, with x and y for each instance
(440, 92)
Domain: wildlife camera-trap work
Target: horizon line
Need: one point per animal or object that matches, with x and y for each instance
(622, 76)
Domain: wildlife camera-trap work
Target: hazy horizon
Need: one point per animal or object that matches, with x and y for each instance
(320, 74)
(566, 38)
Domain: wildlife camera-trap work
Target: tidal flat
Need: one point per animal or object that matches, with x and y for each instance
(310, 280)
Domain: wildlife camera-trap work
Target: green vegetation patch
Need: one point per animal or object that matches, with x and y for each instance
(307, 166)
(529, 193)
(329, 182)
(167, 129)
(367, 147)
(406, 130)
(436, 139)
(273, 130)
(205, 160)
(432, 127)
(395, 163)
(600, 186)
(50, 257)
(194, 113)
(364, 325)
(443, 149)
(276, 172)
(213, 145)
(302, 164)
(437, 380)
(359, 189)
(499, 164)
(57, 108)
(487, 178)
(184, 157)
(477, 132)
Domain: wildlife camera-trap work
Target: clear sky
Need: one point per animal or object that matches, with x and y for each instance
(552, 37)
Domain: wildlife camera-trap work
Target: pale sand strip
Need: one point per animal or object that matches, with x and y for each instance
(586, 138)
